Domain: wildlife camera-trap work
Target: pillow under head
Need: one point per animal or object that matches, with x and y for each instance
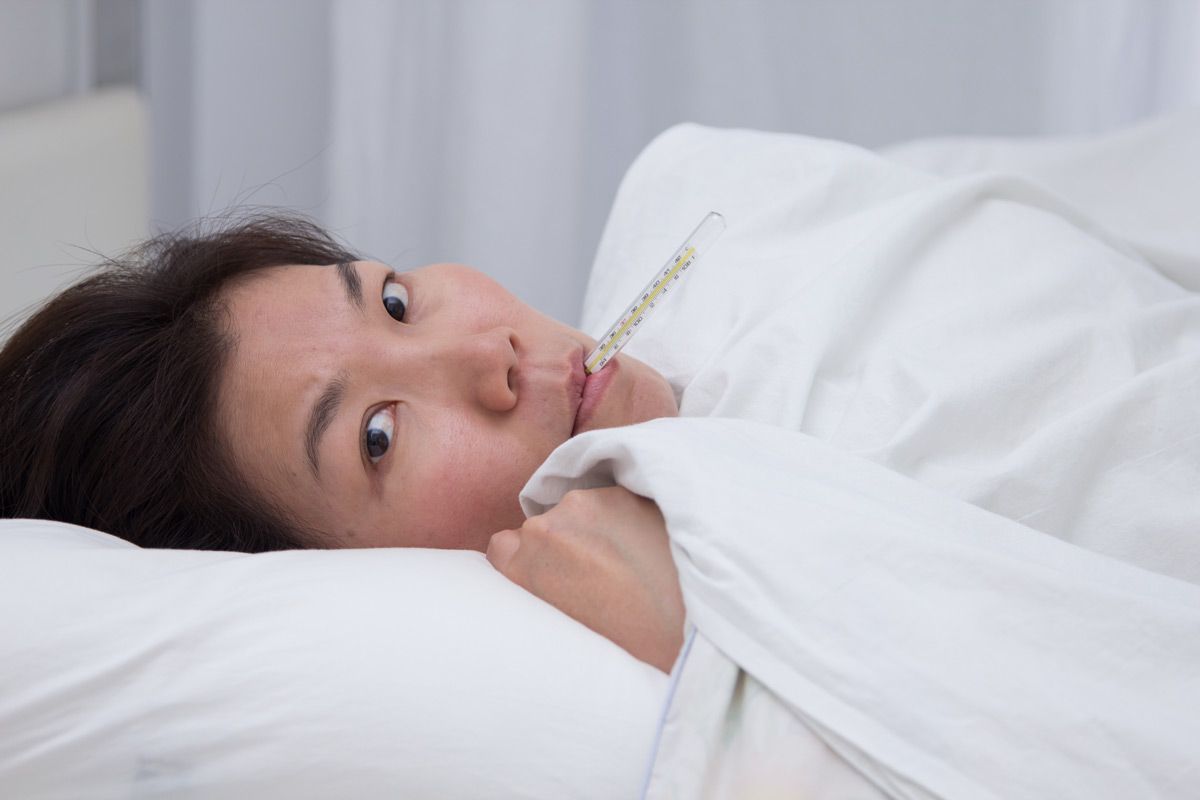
(346, 673)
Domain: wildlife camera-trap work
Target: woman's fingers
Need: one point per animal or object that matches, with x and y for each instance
(501, 548)
(531, 556)
(601, 556)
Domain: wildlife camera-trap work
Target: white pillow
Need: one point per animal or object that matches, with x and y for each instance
(353, 673)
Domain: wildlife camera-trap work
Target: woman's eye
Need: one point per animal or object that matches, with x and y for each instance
(395, 299)
(377, 438)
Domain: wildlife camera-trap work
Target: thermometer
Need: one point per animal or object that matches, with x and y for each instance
(663, 282)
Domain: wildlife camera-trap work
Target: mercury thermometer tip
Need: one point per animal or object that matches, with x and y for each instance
(656, 291)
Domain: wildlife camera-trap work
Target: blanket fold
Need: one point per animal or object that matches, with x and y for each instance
(940, 649)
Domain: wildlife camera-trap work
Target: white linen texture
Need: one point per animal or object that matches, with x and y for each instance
(945, 525)
(368, 673)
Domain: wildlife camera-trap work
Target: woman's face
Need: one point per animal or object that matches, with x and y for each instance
(408, 409)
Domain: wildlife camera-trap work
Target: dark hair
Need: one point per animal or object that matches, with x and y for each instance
(108, 394)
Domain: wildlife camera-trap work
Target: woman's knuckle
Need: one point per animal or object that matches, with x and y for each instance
(574, 498)
(537, 527)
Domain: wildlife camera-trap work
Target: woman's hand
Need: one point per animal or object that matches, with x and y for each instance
(602, 556)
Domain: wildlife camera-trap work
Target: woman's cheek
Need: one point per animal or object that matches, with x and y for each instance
(653, 397)
(643, 394)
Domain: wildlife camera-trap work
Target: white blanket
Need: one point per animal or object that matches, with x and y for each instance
(950, 534)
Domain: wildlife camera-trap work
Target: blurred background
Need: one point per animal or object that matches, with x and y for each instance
(496, 132)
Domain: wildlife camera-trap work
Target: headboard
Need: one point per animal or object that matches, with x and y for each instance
(73, 179)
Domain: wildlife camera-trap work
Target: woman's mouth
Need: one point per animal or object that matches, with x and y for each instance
(594, 388)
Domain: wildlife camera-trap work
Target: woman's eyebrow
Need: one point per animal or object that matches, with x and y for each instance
(326, 407)
(351, 283)
(323, 412)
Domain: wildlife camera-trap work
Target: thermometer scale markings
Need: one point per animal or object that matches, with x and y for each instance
(635, 316)
(617, 336)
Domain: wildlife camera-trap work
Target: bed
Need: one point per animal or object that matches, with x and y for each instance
(993, 590)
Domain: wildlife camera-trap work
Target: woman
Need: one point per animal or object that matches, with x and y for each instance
(258, 387)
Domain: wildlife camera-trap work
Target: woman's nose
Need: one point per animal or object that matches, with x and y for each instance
(486, 365)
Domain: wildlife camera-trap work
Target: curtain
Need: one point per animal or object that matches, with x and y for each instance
(495, 132)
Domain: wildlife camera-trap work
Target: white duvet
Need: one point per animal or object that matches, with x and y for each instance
(934, 493)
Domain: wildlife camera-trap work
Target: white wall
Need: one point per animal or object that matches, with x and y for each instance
(39, 54)
(53, 48)
(496, 131)
(239, 99)
(73, 159)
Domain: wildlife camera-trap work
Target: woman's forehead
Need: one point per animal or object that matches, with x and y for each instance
(267, 286)
(290, 330)
(286, 308)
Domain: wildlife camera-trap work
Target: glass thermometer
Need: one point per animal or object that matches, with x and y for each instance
(666, 279)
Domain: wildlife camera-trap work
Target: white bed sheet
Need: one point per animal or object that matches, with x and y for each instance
(858, 634)
(968, 364)
(976, 334)
(1140, 183)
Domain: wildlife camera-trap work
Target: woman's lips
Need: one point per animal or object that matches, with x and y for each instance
(593, 392)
